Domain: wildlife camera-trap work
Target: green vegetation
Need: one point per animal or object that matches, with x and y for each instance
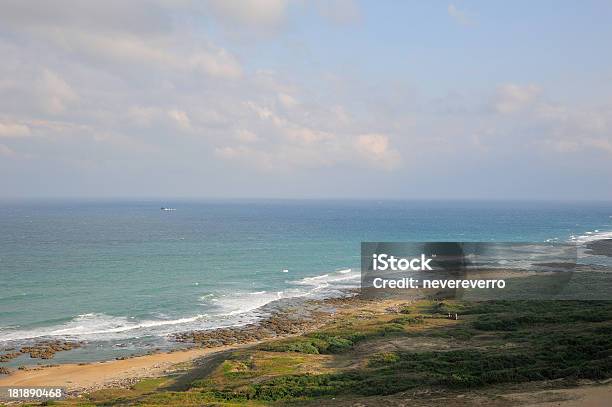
(338, 340)
(545, 341)
(384, 359)
(143, 387)
(379, 353)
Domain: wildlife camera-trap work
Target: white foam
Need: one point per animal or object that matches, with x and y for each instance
(95, 326)
(208, 296)
(591, 236)
(315, 277)
(328, 284)
(584, 255)
(244, 302)
(342, 279)
(234, 308)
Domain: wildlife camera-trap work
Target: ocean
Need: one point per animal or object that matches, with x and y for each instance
(123, 276)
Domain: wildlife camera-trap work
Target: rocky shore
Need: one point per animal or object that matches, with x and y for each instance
(40, 350)
(9, 356)
(48, 349)
(294, 320)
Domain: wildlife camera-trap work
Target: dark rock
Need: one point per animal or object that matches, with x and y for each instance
(48, 349)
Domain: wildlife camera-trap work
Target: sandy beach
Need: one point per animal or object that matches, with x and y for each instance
(83, 377)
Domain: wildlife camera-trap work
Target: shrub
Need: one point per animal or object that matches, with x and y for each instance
(408, 320)
(383, 359)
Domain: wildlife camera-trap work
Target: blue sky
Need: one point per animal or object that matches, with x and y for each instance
(306, 99)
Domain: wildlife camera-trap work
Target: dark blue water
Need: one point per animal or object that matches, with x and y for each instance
(114, 273)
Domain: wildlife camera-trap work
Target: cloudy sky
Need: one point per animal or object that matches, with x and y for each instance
(316, 99)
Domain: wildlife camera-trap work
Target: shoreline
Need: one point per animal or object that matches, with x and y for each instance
(176, 371)
(292, 320)
(80, 378)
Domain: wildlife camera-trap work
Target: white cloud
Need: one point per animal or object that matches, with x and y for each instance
(180, 118)
(284, 142)
(250, 13)
(375, 148)
(126, 80)
(13, 130)
(140, 33)
(511, 98)
(291, 130)
(287, 101)
(152, 116)
(305, 135)
(246, 136)
(261, 160)
(56, 93)
(603, 144)
(216, 62)
(552, 127)
(165, 53)
(247, 19)
(265, 113)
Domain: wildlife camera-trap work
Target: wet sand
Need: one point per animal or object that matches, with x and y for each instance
(79, 377)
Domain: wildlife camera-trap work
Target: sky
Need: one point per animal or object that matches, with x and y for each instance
(306, 99)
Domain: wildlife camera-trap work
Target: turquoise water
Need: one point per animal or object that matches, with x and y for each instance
(124, 275)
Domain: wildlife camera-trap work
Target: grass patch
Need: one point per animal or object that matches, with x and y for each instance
(123, 396)
(342, 339)
(384, 359)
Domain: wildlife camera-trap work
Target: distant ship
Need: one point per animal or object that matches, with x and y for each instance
(167, 209)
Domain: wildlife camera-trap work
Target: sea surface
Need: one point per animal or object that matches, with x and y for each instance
(123, 276)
